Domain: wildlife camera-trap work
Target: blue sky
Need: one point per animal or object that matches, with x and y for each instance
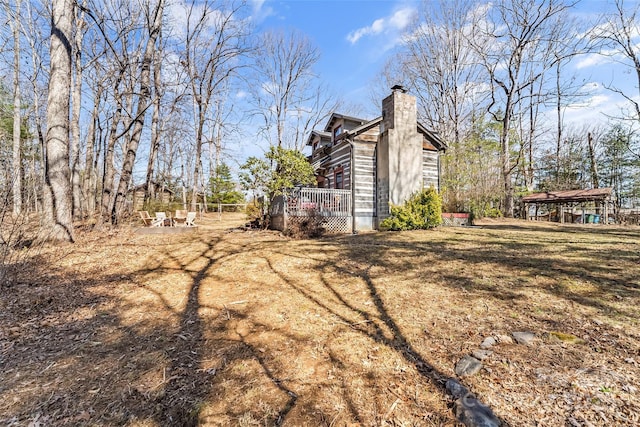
(356, 37)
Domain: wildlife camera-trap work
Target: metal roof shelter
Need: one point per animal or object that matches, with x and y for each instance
(569, 199)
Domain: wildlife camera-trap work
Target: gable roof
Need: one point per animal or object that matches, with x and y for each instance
(336, 116)
(321, 134)
(432, 137)
(365, 127)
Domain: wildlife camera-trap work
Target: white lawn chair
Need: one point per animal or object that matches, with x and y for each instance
(191, 218)
(160, 219)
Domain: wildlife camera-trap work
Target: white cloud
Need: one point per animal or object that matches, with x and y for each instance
(181, 14)
(402, 18)
(595, 101)
(395, 23)
(590, 60)
(260, 12)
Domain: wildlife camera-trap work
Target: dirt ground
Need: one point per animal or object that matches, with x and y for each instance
(251, 328)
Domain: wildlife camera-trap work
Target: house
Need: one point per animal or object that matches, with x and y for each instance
(163, 194)
(382, 161)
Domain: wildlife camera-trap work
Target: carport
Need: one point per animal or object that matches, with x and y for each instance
(567, 202)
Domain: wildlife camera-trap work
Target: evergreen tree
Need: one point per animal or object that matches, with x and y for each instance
(223, 189)
(619, 167)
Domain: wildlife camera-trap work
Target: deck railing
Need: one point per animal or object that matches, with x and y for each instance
(318, 201)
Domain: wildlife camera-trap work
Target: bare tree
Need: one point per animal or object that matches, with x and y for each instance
(441, 68)
(122, 47)
(13, 13)
(108, 175)
(57, 137)
(154, 22)
(617, 37)
(514, 42)
(215, 42)
(155, 125)
(285, 91)
(76, 101)
(90, 180)
(38, 81)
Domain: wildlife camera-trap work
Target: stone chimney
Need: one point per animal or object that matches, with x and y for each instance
(399, 152)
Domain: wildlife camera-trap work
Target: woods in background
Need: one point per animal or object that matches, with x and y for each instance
(100, 96)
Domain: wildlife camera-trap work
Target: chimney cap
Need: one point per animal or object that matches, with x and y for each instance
(400, 88)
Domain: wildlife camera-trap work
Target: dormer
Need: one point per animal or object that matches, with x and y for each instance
(338, 124)
(318, 140)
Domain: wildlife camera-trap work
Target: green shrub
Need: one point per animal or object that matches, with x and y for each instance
(253, 210)
(493, 213)
(421, 211)
(484, 210)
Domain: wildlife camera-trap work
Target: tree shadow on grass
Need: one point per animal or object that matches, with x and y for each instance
(75, 357)
(377, 324)
(189, 385)
(514, 262)
(71, 357)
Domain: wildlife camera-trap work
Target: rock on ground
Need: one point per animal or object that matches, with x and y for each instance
(482, 354)
(525, 338)
(468, 365)
(488, 343)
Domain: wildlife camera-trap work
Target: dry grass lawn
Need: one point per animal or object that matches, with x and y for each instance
(250, 328)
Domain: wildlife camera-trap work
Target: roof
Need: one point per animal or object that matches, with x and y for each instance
(322, 135)
(562, 196)
(336, 116)
(143, 187)
(365, 126)
(433, 138)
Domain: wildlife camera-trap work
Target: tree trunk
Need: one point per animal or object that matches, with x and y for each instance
(17, 149)
(559, 126)
(197, 164)
(505, 154)
(75, 118)
(506, 177)
(150, 192)
(87, 185)
(109, 168)
(143, 99)
(57, 138)
(593, 163)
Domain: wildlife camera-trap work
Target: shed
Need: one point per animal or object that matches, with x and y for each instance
(566, 202)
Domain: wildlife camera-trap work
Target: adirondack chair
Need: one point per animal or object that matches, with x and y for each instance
(181, 217)
(150, 221)
(191, 218)
(160, 220)
(146, 218)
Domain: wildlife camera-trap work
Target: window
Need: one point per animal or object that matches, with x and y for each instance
(336, 131)
(338, 178)
(315, 146)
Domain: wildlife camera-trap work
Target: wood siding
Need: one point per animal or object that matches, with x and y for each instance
(430, 169)
(365, 175)
(340, 156)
